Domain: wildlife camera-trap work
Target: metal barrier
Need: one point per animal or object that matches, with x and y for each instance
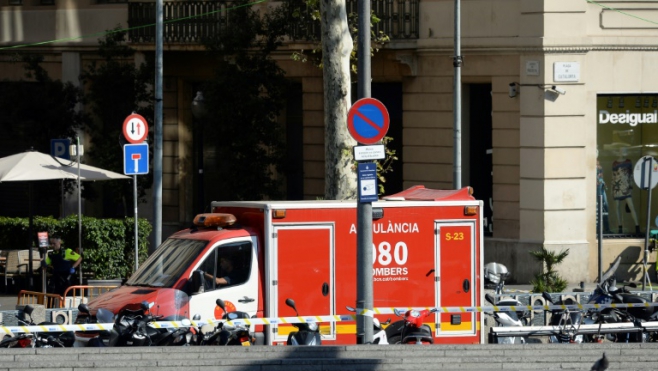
(26, 297)
(499, 331)
(593, 329)
(76, 295)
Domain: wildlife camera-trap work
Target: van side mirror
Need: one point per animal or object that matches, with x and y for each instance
(198, 282)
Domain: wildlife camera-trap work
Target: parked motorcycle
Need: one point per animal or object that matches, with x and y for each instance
(59, 339)
(102, 338)
(509, 319)
(306, 334)
(225, 334)
(411, 329)
(132, 327)
(567, 320)
(379, 334)
(22, 340)
(607, 292)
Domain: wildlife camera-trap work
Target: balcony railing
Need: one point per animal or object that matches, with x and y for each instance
(193, 21)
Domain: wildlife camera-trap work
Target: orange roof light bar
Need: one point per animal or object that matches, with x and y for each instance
(214, 220)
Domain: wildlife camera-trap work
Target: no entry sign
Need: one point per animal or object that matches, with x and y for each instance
(368, 120)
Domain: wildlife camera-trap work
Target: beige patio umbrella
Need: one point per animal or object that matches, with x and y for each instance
(32, 166)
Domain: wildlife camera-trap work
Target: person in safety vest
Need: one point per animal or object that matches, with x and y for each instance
(63, 261)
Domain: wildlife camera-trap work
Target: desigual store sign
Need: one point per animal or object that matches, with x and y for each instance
(627, 129)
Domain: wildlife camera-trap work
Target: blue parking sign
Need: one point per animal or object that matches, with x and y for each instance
(136, 159)
(60, 148)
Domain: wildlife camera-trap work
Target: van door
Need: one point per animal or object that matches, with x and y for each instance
(455, 259)
(303, 271)
(240, 292)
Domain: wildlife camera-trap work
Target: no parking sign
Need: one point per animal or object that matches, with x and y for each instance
(368, 121)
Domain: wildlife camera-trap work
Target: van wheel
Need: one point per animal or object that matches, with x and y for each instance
(397, 339)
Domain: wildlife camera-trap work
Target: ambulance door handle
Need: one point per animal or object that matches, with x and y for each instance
(466, 285)
(246, 300)
(325, 289)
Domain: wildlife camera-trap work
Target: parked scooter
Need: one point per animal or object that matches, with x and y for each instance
(509, 319)
(568, 321)
(132, 327)
(225, 334)
(306, 334)
(412, 330)
(379, 334)
(495, 275)
(59, 339)
(607, 292)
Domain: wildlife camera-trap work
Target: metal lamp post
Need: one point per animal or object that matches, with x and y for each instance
(77, 151)
(199, 113)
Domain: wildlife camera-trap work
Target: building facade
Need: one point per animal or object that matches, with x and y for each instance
(558, 106)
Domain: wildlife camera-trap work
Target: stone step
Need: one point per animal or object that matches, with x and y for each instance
(338, 358)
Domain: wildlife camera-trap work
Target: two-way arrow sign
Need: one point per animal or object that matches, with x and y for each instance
(135, 128)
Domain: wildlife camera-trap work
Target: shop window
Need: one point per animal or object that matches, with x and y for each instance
(627, 130)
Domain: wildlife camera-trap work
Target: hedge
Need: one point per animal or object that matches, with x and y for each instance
(108, 244)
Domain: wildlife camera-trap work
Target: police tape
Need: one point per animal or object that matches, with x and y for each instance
(317, 319)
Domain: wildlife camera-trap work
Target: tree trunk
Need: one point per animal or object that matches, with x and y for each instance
(340, 178)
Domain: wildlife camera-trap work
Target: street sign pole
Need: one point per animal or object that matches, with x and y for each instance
(647, 182)
(367, 122)
(136, 161)
(364, 329)
(136, 225)
(648, 230)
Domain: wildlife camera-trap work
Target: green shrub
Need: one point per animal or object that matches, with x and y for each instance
(549, 280)
(108, 245)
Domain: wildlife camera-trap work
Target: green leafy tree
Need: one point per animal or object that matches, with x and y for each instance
(242, 138)
(115, 89)
(549, 280)
(336, 54)
(34, 111)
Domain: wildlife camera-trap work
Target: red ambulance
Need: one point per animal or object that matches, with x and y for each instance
(427, 252)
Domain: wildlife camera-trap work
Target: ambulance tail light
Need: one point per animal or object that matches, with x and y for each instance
(214, 220)
(279, 214)
(470, 210)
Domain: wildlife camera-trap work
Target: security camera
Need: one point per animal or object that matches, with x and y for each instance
(559, 90)
(512, 90)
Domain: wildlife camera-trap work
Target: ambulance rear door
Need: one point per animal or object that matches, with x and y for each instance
(456, 284)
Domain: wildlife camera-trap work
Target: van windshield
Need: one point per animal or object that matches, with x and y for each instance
(168, 263)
